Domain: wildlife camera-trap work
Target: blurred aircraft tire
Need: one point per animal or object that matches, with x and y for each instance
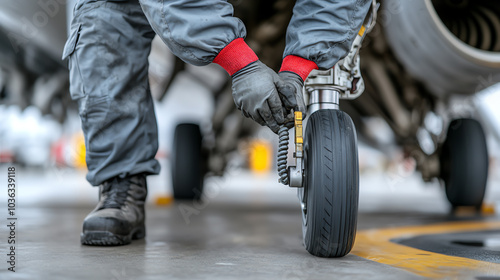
(331, 184)
(187, 162)
(464, 163)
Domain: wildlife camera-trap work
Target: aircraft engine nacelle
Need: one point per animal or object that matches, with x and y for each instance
(451, 46)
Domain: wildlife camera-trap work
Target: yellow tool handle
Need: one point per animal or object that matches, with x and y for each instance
(298, 132)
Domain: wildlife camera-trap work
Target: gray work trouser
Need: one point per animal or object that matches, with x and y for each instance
(108, 52)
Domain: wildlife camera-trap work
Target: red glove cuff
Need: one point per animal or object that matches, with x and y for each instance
(235, 56)
(298, 65)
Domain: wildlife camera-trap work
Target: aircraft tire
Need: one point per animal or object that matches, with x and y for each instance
(330, 193)
(187, 163)
(464, 163)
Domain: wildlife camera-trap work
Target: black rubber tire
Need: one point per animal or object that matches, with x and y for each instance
(187, 162)
(464, 163)
(331, 184)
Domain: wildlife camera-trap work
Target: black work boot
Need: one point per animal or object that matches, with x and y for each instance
(119, 215)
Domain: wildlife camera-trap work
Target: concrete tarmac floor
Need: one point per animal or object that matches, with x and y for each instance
(245, 235)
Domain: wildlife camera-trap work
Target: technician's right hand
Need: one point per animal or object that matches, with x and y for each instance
(255, 94)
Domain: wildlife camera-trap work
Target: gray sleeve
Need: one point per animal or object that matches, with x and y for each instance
(323, 30)
(194, 30)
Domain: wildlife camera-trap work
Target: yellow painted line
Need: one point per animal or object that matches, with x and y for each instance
(163, 200)
(375, 245)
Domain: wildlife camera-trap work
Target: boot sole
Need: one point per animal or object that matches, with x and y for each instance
(106, 238)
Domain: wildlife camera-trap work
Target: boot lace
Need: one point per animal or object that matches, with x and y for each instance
(115, 192)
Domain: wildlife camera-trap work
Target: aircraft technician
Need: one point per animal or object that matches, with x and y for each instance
(108, 50)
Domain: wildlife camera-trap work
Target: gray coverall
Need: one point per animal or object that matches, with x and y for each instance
(108, 50)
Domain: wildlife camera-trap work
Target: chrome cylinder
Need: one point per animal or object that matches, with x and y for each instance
(323, 98)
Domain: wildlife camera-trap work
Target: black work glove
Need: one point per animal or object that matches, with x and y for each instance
(291, 92)
(255, 94)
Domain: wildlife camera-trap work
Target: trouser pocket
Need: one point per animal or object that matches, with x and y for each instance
(70, 52)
